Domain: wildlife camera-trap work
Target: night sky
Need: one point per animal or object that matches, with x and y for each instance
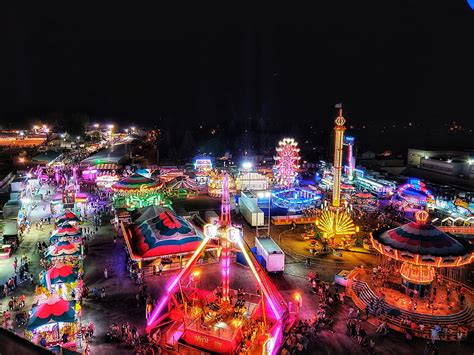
(391, 63)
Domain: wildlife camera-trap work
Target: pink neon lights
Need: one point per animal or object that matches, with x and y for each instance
(175, 281)
(277, 314)
(287, 162)
(225, 203)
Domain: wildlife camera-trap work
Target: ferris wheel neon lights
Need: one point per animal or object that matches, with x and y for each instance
(287, 162)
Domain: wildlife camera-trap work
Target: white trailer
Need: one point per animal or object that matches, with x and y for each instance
(251, 212)
(272, 254)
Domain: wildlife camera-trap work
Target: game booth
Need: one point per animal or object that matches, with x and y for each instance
(51, 320)
(64, 250)
(62, 279)
(66, 231)
(67, 217)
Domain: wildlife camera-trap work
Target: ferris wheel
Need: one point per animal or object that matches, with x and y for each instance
(287, 162)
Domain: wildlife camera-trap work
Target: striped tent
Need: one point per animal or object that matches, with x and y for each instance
(65, 231)
(164, 234)
(422, 243)
(108, 166)
(68, 217)
(136, 184)
(63, 248)
(54, 310)
(60, 273)
(182, 183)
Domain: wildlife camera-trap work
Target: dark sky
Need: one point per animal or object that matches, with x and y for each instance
(388, 61)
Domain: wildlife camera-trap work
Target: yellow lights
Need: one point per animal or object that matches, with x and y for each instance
(236, 322)
(418, 274)
(338, 146)
(21, 159)
(422, 216)
(336, 223)
(196, 274)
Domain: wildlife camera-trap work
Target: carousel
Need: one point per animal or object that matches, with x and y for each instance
(224, 319)
(420, 248)
(137, 191)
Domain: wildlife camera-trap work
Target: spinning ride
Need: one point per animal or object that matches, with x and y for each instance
(336, 222)
(213, 321)
(137, 191)
(421, 247)
(296, 199)
(415, 192)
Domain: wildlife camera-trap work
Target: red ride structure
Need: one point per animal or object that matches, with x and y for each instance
(222, 320)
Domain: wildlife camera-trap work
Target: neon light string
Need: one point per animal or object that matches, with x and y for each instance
(173, 284)
(277, 335)
(259, 280)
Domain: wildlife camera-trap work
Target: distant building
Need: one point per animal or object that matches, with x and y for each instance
(448, 162)
(371, 160)
(442, 166)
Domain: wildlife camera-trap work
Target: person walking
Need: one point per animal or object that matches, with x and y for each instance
(106, 273)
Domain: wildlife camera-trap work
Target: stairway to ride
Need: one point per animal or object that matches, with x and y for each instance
(365, 294)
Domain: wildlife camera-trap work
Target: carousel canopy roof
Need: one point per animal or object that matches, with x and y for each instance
(421, 238)
(164, 234)
(135, 183)
(54, 310)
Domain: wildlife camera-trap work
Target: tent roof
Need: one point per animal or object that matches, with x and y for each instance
(164, 234)
(47, 156)
(54, 310)
(113, 155)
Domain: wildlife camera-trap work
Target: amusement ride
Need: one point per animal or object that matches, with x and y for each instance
(335, 222)
(223, 320)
